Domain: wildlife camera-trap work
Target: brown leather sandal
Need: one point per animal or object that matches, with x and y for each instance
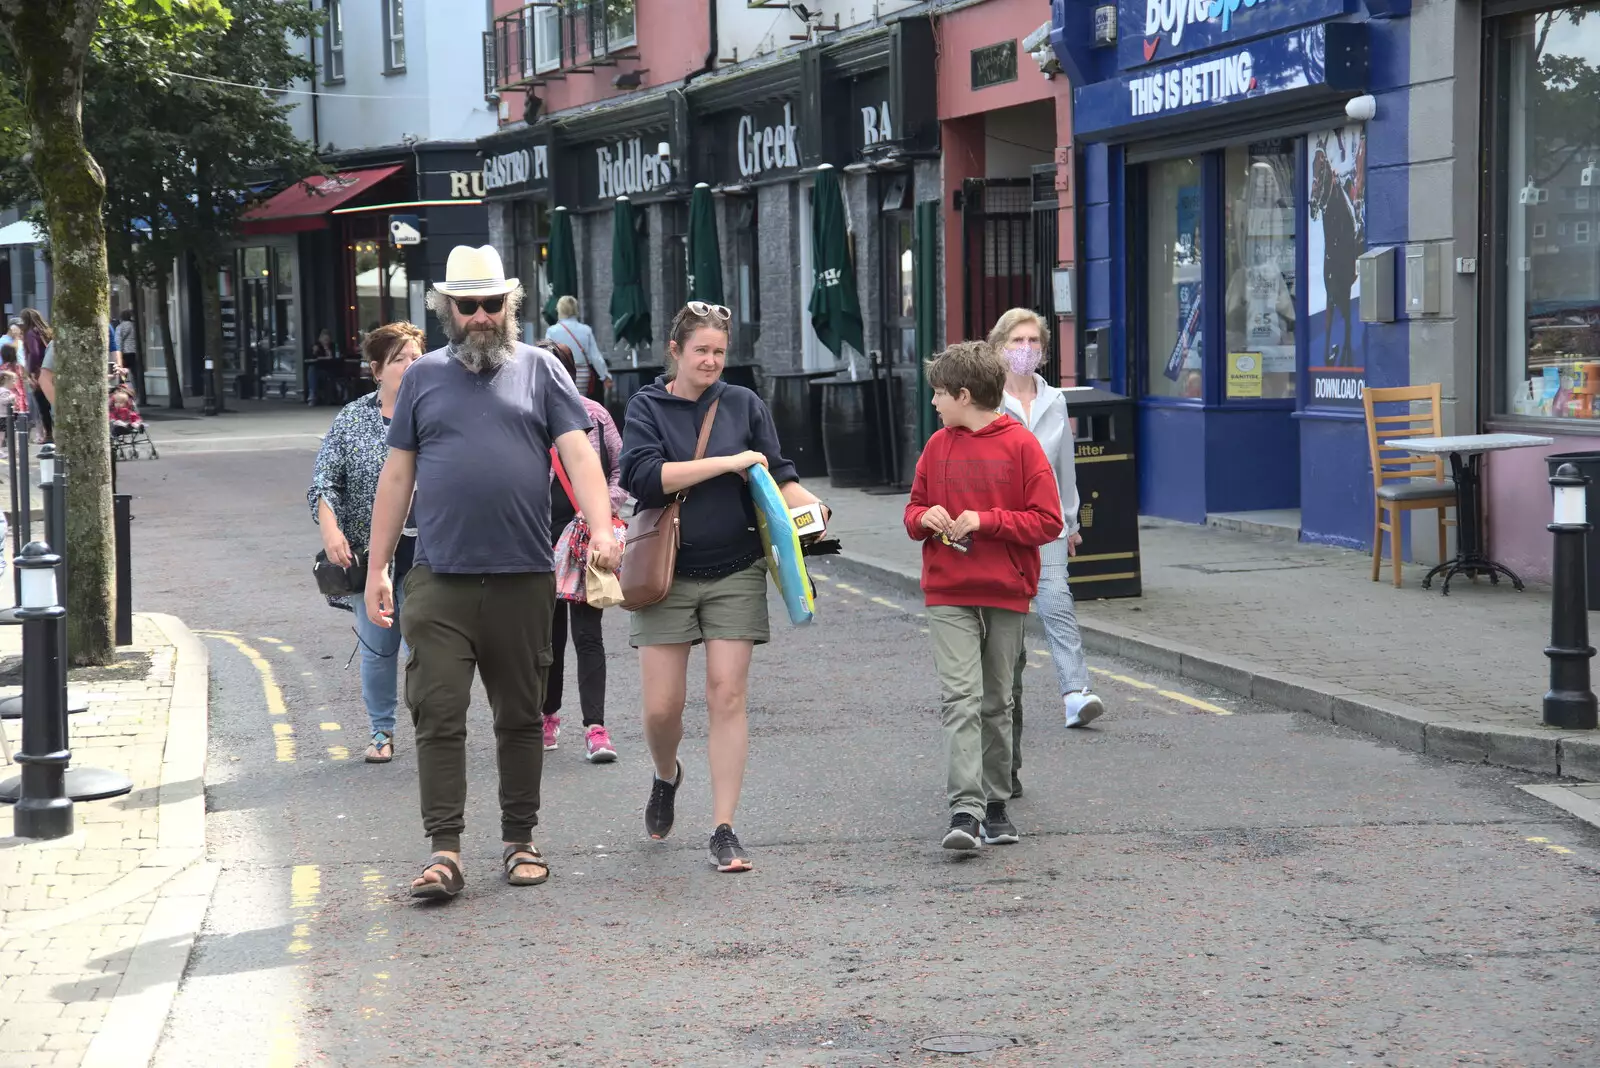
(444, 888)
(523, 856)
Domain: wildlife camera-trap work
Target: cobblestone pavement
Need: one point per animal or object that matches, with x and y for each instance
(94, 928)
(1476, 655)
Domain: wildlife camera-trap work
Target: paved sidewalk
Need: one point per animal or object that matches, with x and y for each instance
(95, 929)
(1304, 627)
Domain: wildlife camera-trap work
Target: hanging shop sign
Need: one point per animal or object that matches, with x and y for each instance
(631, 166)
(1158, 30)
(1308, 63)
(768, 141)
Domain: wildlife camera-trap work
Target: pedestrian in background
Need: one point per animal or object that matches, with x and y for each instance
(344, 486)
(593, 375)
(318, 364)
(719, 593)
(1019, 336)
(36, 337)
(128, 340)
(472, 433)
(982, 502)
(11, 343)
(579, 617)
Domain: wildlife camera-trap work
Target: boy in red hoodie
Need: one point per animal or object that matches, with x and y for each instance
(983, 501)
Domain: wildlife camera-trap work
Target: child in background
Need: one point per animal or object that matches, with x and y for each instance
(983, 500)
(11, 400)
(125, 416)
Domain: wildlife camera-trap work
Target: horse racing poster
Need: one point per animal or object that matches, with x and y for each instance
(1336, 236)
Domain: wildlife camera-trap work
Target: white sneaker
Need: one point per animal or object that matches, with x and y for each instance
(1083, 708)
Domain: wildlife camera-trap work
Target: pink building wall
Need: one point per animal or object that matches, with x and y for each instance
(961, 112)
(1518, 502)
(673, 40)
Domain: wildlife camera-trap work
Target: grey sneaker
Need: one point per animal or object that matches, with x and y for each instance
(1083, 708)
(963, 832)
(997, 826)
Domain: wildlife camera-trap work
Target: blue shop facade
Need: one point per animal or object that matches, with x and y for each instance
(1235, 158)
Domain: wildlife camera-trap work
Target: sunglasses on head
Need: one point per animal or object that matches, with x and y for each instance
(702, 309)
(470, 305)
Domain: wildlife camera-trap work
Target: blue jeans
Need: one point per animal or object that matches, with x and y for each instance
(380, 668)
(1056, 612)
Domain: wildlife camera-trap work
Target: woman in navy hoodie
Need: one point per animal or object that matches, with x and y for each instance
(719, 593)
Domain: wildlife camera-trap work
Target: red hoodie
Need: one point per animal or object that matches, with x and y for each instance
(1001, 473)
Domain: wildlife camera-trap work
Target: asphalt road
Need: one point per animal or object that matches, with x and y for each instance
(1192, 888)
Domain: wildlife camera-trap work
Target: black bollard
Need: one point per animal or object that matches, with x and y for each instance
(122, 512)
(43, 808)
(53, 498)
(1570, 704)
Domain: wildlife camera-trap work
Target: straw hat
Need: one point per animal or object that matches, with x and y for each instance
(475, 272)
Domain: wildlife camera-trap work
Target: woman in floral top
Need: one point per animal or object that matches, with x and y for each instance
(343, 488)
(587, 638)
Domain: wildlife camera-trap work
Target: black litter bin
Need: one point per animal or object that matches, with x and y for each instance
(797, 413)
(626, 382)
(1587, 463)
(851, 416)
(1107, 564)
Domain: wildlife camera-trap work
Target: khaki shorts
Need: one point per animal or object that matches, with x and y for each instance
(732, 608)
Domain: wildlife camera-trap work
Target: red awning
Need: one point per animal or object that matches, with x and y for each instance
(305, 205)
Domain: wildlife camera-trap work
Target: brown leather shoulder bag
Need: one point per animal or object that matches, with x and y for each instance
(650, 550)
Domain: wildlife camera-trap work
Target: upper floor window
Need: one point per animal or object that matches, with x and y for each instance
(394, 36)
(611, 27)
(544, 36)
(333, 42)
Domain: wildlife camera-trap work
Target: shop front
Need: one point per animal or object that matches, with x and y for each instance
(1226, 192)
(635, 152)
(515, 179)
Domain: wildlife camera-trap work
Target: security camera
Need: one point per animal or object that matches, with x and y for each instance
(664, 150)
(1362, 108)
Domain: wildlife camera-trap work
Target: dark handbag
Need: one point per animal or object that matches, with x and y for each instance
(336, 581)
(650, 548)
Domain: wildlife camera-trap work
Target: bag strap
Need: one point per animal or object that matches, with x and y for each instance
(705, 430)
(581, 346)
(566, 484)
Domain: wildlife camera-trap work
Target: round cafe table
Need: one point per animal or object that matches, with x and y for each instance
(1466, 455)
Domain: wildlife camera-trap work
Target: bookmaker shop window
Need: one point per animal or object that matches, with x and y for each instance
(1546, 146)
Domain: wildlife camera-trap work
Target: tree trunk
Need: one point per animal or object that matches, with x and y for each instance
(174, 380)
(50, 39)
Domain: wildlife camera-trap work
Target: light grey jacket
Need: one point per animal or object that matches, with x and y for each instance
(1051, 426)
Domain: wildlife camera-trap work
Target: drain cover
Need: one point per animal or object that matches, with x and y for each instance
(965, 1043)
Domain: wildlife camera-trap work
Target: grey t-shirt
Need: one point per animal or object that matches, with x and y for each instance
(483, 458)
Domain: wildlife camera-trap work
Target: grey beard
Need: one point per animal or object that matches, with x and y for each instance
(482, 350)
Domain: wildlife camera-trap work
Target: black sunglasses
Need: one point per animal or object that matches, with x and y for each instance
(470, 305)
(702, 309)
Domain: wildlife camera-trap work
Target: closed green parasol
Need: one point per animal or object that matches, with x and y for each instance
(835, 306)
(705, 255)
(630, 310)
(562, 269)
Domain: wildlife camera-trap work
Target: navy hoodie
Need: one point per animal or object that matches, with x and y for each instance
(717, 523)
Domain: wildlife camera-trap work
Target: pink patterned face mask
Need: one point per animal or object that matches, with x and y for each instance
(1022, 359)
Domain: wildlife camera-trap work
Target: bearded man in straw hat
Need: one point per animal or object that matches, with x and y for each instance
(473, 427)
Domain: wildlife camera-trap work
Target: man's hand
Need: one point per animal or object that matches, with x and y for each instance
(604, 551)
(936, 519)
(965, 524)
(336, 545)
(380, 598)
(1073, 541)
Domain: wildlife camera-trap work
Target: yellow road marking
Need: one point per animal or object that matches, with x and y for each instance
(305, 891)
(1137, 684)
(271, 641)
(330, 726)
(338, 752)
(1195, 702)
(269, 683)
(372, 880)
(215, 631)
(285, 648)
(283, 739)
(849, 589)
(887, 604)
(821, 578)
(1551, 846)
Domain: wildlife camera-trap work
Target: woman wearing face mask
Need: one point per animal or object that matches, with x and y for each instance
(1020, 336)
(344, 486)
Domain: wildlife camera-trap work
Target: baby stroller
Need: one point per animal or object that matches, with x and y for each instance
(128, 431)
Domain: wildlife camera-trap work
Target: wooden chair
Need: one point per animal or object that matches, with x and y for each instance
(1401, 481)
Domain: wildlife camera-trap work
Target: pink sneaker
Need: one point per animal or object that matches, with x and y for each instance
(552, 731)
(601, 751)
